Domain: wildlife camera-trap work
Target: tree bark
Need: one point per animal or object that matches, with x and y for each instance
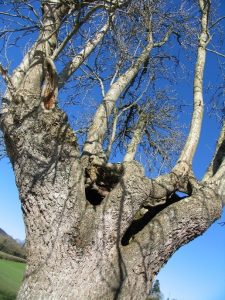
(80, 251)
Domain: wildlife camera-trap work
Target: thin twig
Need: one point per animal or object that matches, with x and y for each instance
(216, 52)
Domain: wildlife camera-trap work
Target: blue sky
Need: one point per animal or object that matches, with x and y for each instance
(197, 270)
(10, 212)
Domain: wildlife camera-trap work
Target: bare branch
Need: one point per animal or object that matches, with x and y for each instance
(73, 65)
(99, 79)
(196, 123)
(165, 38)
(45, 40)
(78, 24)
(217, 21)
(216, 52)
(137, 135)
(97, 130)
(113, 134)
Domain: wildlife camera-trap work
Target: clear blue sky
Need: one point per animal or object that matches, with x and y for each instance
(197, 270)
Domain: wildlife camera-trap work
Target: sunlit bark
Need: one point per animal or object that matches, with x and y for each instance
(189, 149)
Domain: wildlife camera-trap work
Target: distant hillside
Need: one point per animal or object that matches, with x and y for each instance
(2, 232)
(11, 246)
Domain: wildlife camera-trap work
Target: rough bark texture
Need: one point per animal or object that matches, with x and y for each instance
(81, 251)
(77, 250)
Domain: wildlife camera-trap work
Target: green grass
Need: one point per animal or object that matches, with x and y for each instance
(11, 275)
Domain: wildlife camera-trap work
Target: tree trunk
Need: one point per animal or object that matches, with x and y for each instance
(80, 250)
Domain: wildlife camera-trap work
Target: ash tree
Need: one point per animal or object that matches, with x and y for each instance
(89, 108)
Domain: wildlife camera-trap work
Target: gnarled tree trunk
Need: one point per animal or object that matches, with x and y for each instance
(77, 250)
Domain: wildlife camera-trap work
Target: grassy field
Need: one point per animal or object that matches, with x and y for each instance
(11, 274)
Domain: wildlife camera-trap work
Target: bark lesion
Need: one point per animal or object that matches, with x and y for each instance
(49, 89)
